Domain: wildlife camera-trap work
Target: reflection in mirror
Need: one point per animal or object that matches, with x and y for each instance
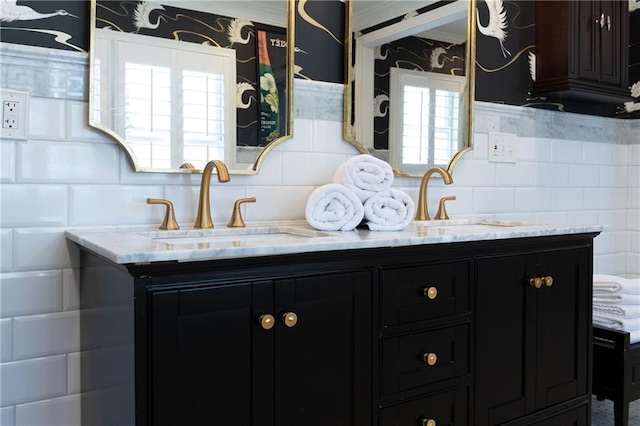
(184, 82)
(410, 91)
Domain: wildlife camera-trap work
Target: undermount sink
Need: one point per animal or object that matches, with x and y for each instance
(257, 235)
(468, 225)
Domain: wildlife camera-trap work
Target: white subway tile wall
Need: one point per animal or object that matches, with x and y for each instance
(70, 175)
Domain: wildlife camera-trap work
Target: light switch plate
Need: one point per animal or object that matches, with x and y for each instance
(503, 147)
(15, 105)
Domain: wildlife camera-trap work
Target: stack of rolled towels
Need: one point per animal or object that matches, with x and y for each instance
(361, 194)
(616, 304)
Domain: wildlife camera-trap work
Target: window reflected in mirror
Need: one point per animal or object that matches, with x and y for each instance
(424, 118)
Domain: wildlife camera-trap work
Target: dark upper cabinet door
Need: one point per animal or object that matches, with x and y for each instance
(586, 36)
(614, 43)
(210, 359)
(505, 339)
(323, 362)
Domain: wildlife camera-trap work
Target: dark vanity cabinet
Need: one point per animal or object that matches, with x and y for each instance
(436, 334)
(532, 336)
(582, 50)
(282, 351)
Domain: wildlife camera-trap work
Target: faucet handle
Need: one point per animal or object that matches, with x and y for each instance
(236, 217)
(169, 221)
(442, 211)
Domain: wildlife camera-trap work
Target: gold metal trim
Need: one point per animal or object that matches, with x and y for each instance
(255, 169)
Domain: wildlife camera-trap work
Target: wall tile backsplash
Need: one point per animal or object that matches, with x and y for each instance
(570, 169)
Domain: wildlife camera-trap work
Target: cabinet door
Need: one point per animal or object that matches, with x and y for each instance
(563, 323)
(505, 339)
(211, 362)
(613, 43)
(532, 343)
(323, 362)
(587, 35)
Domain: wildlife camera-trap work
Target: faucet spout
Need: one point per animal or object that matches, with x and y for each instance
(203, 219)
(422, 211)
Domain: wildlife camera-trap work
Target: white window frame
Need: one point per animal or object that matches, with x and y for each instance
(399, 78)
(178, 57)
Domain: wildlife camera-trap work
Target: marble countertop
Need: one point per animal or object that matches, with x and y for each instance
(140, 244)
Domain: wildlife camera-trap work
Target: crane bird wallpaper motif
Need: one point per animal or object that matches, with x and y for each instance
(413, 53)
(57, 24)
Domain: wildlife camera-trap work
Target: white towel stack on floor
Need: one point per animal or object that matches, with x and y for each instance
(362, 187)
(616, 304)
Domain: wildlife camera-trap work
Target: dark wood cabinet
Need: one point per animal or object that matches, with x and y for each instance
(532, 342)
(582, 50)
(214, 362)
(449, 333)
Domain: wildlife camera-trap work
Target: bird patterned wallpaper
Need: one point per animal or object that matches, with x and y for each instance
(412, 53)
(506, 54)
(505, 59)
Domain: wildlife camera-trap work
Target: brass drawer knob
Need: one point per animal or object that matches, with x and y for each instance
(430, 358)
(548, 281)
(267, 321)
(536, 282)
(428, 422)
(430, 292)
(290, 319)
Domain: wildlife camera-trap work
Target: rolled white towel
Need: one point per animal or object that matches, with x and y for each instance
(334, 207)
(619, 311)
(390, 210)
(612, 283)
(365, 175)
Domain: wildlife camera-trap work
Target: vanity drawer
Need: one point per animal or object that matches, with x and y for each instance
(424, 292)
(419, 359)
(447, 408)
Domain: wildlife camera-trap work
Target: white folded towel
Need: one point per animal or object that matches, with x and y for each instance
(617, 298)
(617, 323)
(617, 311)
(612, 283)
(390, 210)
(365, 175)
(334, 207)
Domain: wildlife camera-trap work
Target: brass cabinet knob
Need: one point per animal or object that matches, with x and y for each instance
(430, 292)
(430, 358)
(548, 281)
(267, 321)
(428, 422)
(536, 282)
(290, 319)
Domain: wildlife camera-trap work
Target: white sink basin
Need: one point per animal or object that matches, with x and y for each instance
(260, 235)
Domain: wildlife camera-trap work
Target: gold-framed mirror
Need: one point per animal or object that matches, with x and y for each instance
(410, 81)
(178, 83)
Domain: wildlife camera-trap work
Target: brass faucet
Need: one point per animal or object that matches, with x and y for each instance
(422, 211)
(203, 219)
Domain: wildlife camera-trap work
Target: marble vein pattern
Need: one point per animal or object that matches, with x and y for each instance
(126, 245)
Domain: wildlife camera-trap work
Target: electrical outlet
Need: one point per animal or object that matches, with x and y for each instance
(14, 114)
(502, 147)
